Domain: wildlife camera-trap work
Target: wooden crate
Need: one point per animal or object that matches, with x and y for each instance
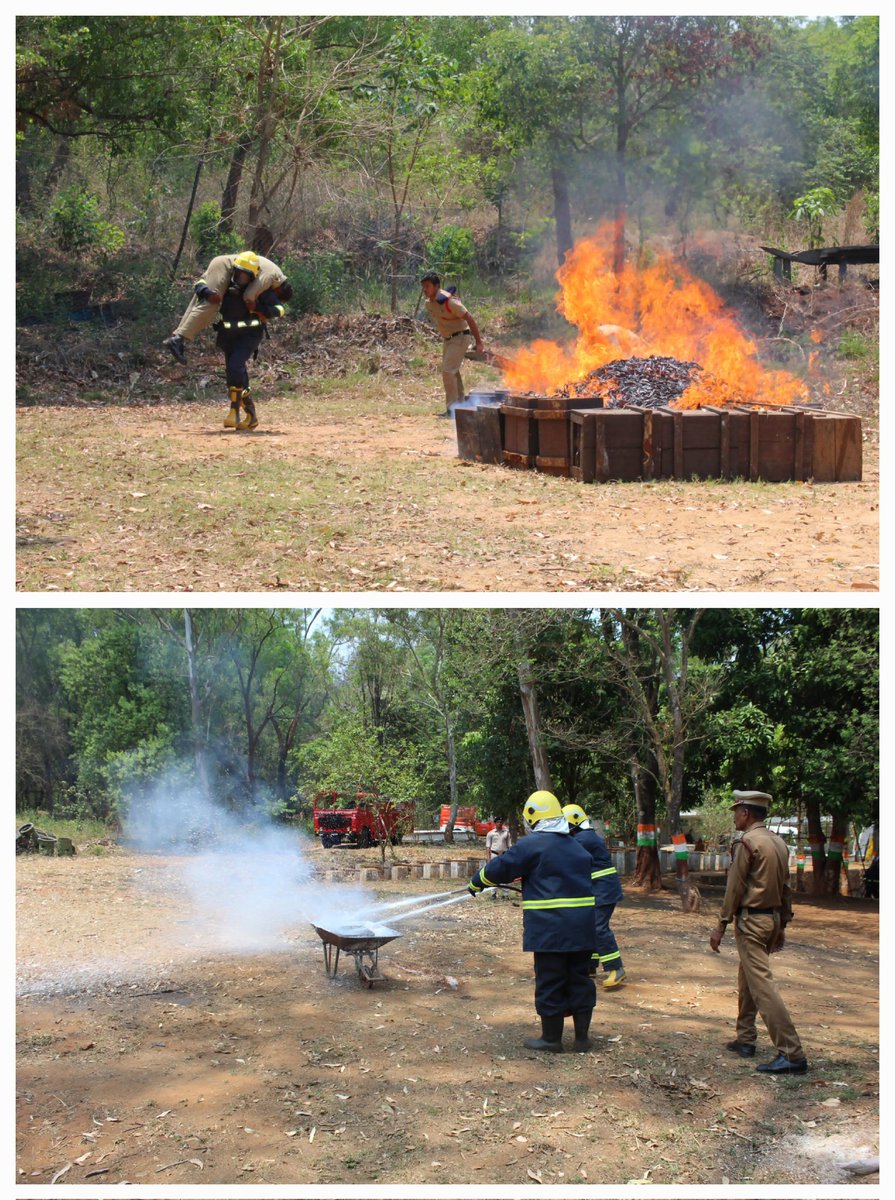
(479, 434)
(596, 445)
(836, 450)
(772, 445)
(552, 441)
(606, 444)
(520, 436)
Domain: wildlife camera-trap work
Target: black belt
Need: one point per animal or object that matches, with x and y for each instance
(459, 333)
(765, 912)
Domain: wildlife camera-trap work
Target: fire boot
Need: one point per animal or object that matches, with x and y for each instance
(551, 1035)
(250, 420)
(231, 421)
(582, 1025)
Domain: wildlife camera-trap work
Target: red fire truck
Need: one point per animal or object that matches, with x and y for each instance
(361, 819)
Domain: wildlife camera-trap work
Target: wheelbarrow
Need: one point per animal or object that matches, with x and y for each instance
(362, 943)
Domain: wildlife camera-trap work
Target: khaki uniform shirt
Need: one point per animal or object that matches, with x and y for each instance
(448, 318)
(497, 841)
(217, 277)
(759, 875)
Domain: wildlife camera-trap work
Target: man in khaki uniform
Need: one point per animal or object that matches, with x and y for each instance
(759, 901)
(210, 290)
(497, 842)
(456, 325)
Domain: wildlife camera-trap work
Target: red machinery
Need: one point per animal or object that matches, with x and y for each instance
(467, 820)
(363, 819)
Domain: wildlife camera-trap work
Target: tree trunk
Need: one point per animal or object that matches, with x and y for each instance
(817, 842)
(395, 264)
(647, 871)
(835, 864)
(452, 782)
(621, 202)
(230, 195)
(24, 196)
(543, 782)
(562, 211)
(57, 169)
(186, 220)
(195, 705)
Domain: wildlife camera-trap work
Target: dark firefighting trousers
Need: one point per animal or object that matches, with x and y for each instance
(238, 349)
(607, 953)
(562, 983)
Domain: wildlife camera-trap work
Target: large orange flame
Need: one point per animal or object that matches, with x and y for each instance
(656, 309)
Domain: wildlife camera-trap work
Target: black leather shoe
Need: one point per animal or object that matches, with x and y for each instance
(177, 346)
(784, 1066)
(743, 1049)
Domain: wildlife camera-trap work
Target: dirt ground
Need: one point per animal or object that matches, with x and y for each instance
(144, 1057)
(352, 483)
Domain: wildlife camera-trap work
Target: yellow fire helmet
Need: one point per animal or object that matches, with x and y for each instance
(574, 814)
(540, 805)
(247, 261)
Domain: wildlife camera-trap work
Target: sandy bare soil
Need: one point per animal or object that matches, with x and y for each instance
(145, 1055)
(362, 490)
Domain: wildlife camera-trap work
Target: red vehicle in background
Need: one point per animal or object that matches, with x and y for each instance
(362, 819)
(467, 820)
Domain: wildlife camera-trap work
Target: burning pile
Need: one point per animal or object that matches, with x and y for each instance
(654, 382)
(657, 310)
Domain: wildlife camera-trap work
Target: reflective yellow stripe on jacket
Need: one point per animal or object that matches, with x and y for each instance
(241, 324)
(603, 873)
(561, 902)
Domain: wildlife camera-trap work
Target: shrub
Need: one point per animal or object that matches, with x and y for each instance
(210, 239)
(450, 251)
(318, 281)
(77, 224)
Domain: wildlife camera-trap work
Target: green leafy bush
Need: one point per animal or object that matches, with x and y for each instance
(451, 251)
(77, 224)
(318, 281)
(210, 239)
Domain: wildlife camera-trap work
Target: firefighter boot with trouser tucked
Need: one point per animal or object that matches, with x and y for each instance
(557, 918)
(250, 420)
(231, 421)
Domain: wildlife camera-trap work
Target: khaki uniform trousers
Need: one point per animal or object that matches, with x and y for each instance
(452, 357)
(756, 933)
(198, 316)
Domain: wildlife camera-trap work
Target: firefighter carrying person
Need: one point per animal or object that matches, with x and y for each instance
(607, 893)
(456, 325)
(208, 293)
(240, 325)
(557, 918)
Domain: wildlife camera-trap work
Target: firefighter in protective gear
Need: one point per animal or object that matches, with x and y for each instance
(259, 274)
(557, 918)
(607, 893)
(240, 328)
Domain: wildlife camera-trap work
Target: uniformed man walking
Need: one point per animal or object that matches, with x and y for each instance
(457, 326)
(557, 918)
(759, 901)
(607, 893)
